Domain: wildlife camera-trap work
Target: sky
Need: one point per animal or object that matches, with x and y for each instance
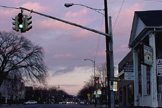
(67, 46)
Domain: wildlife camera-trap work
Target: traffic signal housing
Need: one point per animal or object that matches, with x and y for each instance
(28, 22)
(20, 21)
(15, 23)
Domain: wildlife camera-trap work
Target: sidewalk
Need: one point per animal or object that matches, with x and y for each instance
(2, 105)
(104, 106)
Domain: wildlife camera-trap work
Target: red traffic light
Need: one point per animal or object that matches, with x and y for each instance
(97, 80)
(20, 18)
(20, 21)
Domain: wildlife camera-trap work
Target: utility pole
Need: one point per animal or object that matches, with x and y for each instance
(107, 53)
(109, 49)
(109, 57)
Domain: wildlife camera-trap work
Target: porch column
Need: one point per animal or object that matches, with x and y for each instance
(153, 72)
(136, 89)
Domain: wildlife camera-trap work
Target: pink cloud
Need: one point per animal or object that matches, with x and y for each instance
(78, 17)
(35, 6)
(51, 24)
(121, 49)
(82, 34)
(62, 55)
(101, 53)
(75, 17)
(29, 5)
(125, 19)
(8, 13)
(76, 14)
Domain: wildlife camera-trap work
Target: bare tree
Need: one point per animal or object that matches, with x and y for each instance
(88, 88)
(21, 56)
(102, 73)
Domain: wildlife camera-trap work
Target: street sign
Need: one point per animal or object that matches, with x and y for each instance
(115, 86)
(88, 95)
(128, 68)
(147, 55)
(129, 76)
(97, 80)
(114, 79)
(99, 92)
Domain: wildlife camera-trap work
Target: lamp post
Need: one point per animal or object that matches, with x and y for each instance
(71, 4)
(93, 61)
(93, 64)
(109, 50)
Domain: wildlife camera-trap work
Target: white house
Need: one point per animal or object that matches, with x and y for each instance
(146, 44)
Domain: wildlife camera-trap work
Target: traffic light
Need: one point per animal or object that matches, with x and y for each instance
(28, 22)
(97, 80)
(20, 21)
(15, 23)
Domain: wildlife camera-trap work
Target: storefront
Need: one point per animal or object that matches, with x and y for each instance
(146, 44)
(126, 85)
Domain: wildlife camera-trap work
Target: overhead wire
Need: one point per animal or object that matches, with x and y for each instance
(113, 26)
(98, 43)
(122, 7)
(118, 14)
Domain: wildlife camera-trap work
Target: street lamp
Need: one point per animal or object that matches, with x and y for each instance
(71, 4)
(93, 64)
(109, 50)
(93, 61)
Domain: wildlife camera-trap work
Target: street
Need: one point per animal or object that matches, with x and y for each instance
(47, 106)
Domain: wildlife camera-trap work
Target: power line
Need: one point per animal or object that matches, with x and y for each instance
(118, 13)
(98, 42)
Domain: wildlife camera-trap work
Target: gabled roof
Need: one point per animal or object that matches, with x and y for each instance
(150, 18)
(144, 20)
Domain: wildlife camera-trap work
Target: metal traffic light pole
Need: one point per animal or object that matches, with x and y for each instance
(67, 22)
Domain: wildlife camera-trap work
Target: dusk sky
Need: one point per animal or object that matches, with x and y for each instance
(66, 46)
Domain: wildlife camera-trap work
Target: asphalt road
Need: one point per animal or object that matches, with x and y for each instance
(47, 106)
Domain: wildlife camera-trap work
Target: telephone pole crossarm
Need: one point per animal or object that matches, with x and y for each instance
(67, 22)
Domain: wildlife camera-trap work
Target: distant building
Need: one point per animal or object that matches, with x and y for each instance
(146, 44)
(12, 90)
(126, 85)
(29, 93)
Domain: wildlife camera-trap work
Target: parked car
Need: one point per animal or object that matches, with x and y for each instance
(82, 102)
(30, 102)
(63, 102)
